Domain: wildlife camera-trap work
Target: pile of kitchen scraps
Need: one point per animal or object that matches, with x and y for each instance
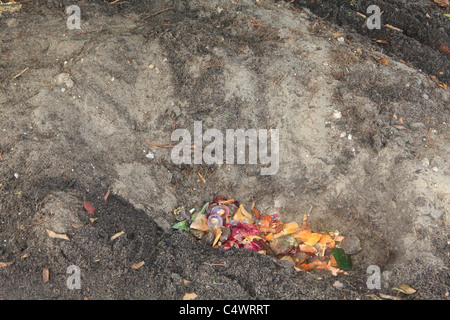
(224, 223)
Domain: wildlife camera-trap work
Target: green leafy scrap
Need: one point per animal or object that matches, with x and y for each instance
(343, 260)
(182, 224)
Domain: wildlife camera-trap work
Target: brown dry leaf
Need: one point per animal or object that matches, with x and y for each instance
(434, 79)
(45, 275)
(387, 296)
(137, 265)
(384, 61)
(57, 235)
(399, 127)
(337, 35)
(443, 85)
(339, 238)
(445, 49)
(404, 288)
(189, 296)
(5, 264)
(9, 6)
(89, 208)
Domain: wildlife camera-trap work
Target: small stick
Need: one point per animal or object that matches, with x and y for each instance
(157, 12)
(139, 158)
(35, 223)
(201, 177)
(226, 264)
(21, 73)
(83, 32)
(258, 24)
(207, 67)
(393, 28)
(168, 146)
(105, 197)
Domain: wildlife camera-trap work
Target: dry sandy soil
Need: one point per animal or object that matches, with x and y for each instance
(363, 138)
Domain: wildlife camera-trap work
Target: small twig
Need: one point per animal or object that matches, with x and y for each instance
(157, 12)
(345, 228)
(226, 264)
(140, 160)
(35, 223)
(256, 23)
(105, 197)
(393, 28)
(61, 68)
(20, 73)
(169, 146)
(201, 177)
(83, 32)
(207, 67)
(278, 80)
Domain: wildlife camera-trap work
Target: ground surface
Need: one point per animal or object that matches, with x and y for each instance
(378, 172)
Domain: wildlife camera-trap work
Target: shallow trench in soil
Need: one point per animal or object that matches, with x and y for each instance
(363, 149)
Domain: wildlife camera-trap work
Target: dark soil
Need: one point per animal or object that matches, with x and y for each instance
(215, 63)
(425, 29)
